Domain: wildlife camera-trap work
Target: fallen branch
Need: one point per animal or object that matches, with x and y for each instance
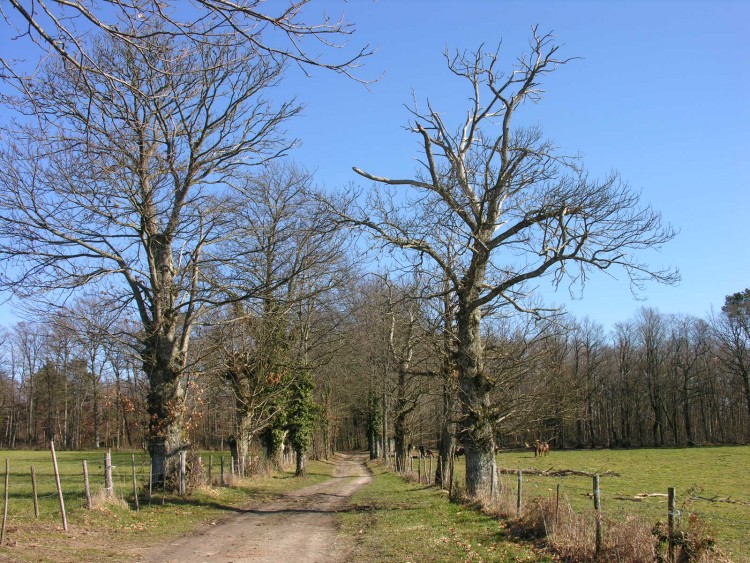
(640, 496)
(557, 473)
(717, 499)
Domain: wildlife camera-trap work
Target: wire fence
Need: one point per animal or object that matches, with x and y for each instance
(599, 505)
(39, 484)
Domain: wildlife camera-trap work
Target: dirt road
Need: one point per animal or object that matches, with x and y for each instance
(300, 527)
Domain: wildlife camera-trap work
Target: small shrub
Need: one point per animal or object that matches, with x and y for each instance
(693, 543)
(103, 500)
(193, 470)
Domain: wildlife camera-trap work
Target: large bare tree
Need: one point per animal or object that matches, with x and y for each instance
(517, 210)
(125, 180)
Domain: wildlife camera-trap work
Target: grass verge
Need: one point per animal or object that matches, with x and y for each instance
(395, 520)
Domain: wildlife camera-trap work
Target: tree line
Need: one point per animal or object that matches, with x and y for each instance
(188, 283)
(372, 376)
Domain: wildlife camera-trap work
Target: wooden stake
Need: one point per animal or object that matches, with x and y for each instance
(670, 520)
(86, 489)
(108, 484)
(598, 511)
(210, 470)
(5, 502)
(33, 490)
(182, 472)
(135, 483)
(519, 499)
(59, 487)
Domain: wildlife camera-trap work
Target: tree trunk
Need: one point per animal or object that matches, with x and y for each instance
(301, 470)
(399, 437)
(445, 446)
(166, 407)
(476, 427)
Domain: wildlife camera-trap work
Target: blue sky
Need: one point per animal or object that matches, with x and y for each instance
(659, 93)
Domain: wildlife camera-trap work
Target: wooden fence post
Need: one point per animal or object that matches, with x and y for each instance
(5, 502)
(598, 511)
(33, 491)
(135, 483)
(670, 520)
(86, 489)
(182, 472)
(519, 499)
(222, 471)
(150, 478)
(452, 463)
(430, 474)
(108, 483)
(59, 487)
(211, 470)
(557, 509)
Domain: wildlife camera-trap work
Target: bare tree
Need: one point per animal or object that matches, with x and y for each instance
(285, 252)
(124, 183)
(283, 32)
(518, 211)
(732, 329)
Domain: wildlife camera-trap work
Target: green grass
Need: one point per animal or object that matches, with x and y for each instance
(720, 472)
(395, 520)
(108, 532)
(390, 519)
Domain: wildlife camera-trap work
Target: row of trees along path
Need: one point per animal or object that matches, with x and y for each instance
(147, 123)
(131, 177)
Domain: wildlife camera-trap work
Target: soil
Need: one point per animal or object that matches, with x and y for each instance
(300, 527)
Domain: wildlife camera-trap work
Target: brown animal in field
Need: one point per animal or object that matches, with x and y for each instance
(541, 448)
(459, 451)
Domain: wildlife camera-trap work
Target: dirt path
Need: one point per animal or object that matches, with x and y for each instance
(300, 527)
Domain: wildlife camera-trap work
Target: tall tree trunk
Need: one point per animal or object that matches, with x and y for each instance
(166, 405)
(399, 437)
(447, 427)
(476, 426)
(447, 431)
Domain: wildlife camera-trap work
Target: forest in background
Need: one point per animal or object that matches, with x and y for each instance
(657, 380)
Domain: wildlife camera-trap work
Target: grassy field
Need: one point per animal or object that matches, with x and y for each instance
(391, 519)
(108, 532)
(709, 472)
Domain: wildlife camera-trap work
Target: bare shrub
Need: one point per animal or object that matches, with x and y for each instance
(103, 500)
(571, 536)
(193, 470)
(693, 543)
